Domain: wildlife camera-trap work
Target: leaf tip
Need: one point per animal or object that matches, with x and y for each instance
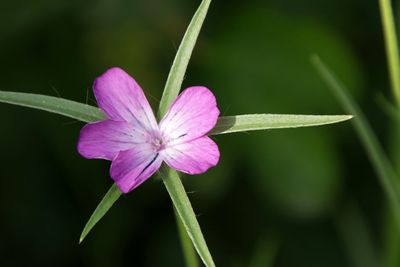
(343, 118)
(348, 117)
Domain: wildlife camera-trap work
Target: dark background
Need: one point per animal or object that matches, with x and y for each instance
(303, 197)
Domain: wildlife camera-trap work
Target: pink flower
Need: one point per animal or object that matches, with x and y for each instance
(131, 138)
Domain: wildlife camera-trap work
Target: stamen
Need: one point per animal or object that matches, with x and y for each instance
(157, 142)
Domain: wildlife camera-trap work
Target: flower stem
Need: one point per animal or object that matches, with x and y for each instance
(392, 234)
(391, 47)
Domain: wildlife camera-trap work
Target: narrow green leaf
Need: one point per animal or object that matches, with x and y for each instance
(106, 203)
(189, 252)
(228, 124)
(392, 50)
(252, 122)
(178, 69)
(389, 23)
(185, 211)
(53, 104)
(387, 176)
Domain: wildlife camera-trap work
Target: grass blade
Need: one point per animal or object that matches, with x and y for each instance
(106, 203)
(392, 237)
(384, 169)
(186, 214)
(53, 104)
(178, 69)
(252, 122)
(392, 50)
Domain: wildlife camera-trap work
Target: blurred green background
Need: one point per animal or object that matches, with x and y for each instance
(304, 197)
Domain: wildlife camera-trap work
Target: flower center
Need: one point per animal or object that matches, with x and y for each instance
(157, 143)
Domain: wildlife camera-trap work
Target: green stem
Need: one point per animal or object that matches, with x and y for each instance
(188, 250)
(391, 47)
(185, 211)
(384, 169)
(392, 237)
(391, 232)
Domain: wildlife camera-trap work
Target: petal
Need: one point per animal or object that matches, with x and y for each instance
(193, 114)
(193, 157)
(104, 139)
(122, 99)
(132, 167)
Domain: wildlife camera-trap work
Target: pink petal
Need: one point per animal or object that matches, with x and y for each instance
(193, 157)
(122, 99)
(104, 139)
(193, 114)
(132, 167)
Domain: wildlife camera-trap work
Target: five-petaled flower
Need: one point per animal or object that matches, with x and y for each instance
(131, 138)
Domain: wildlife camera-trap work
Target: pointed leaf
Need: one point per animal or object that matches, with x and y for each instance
(228, 124)
(181, 61)
(252, 122)
(185, 211)
(106, 203)
(53, 104)
(189, 252)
